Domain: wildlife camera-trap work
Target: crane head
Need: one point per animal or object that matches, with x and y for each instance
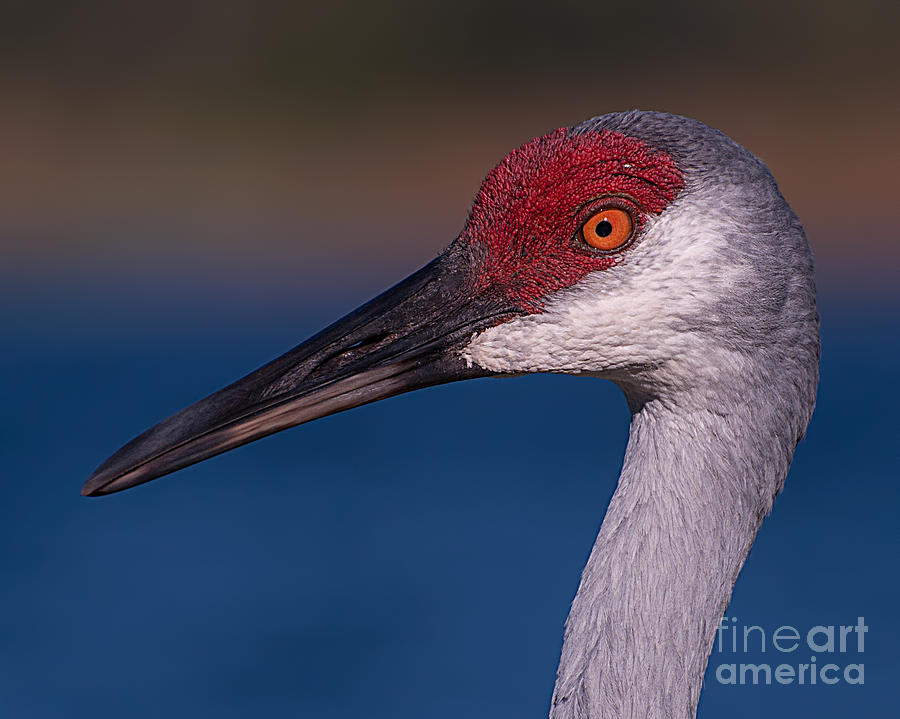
(641, 247)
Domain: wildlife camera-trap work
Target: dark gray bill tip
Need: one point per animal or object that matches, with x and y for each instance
(100, 484)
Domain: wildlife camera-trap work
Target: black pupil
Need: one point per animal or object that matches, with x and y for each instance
(604, 228)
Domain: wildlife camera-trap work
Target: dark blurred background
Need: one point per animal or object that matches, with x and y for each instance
(189, 188)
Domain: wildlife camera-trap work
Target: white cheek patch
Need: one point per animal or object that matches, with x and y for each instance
(629, 317)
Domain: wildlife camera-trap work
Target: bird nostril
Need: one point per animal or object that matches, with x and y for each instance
(354, 350)
(368, 343)
(333, 360)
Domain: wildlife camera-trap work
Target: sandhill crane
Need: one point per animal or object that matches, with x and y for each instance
(640, 247)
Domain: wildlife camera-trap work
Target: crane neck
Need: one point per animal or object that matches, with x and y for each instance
(696, 483)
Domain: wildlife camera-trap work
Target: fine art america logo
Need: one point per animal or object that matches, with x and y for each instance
(823, 654)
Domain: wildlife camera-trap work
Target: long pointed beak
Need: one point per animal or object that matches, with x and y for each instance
(407, 338)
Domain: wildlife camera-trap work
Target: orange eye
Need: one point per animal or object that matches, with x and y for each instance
(608, 229)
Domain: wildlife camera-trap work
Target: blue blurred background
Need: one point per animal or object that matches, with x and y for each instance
(190, 189)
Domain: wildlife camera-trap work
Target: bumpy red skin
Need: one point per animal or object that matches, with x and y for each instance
(526, 215)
